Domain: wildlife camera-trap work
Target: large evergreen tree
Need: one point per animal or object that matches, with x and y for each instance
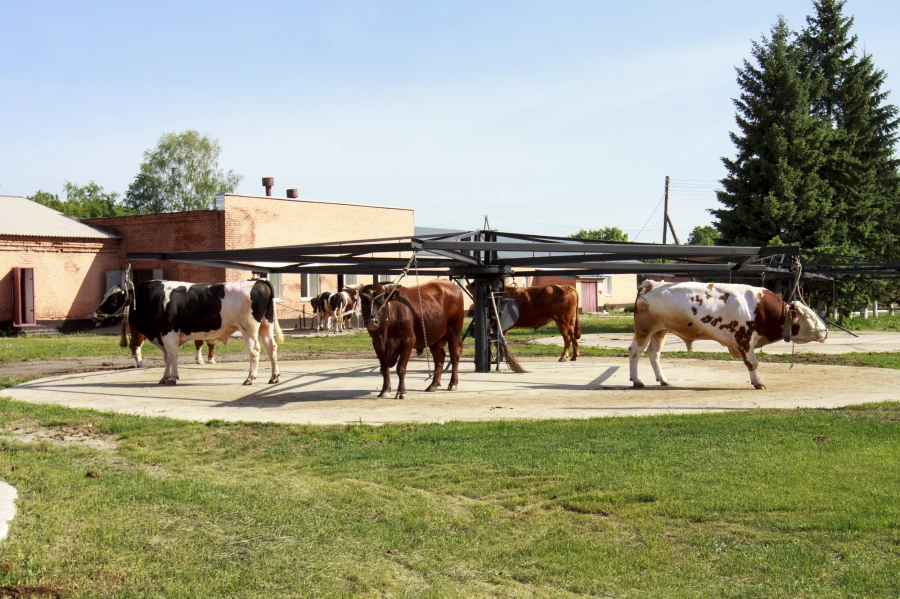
(773, 193)
(860, 165)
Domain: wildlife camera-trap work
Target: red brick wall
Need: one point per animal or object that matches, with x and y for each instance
(176, 232)
(69, 274)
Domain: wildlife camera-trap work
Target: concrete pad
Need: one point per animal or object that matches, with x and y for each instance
(838, 342)
(344, 391)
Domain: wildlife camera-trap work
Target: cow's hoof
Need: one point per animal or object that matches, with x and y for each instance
(564, 358)
(638, 384)
(383, 394)
(432, 387)
(573, 358)
(400, 395)
(248, 381)
(665, 383)
(173, 381)
(274, 379)
(212, 361)
(759, 386)
(163, 380)
(452, 387)
(198, 361)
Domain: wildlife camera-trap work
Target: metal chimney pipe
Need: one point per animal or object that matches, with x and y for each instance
(292, 193)
(268, 183)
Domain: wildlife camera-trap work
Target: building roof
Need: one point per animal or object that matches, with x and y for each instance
(25, 218)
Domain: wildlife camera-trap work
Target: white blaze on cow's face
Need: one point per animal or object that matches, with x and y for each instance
(812, 328)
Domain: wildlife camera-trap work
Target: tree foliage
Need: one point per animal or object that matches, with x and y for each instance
(602, 234)
(704, 235)
(181, 173)
(83, 201)
(773, 194)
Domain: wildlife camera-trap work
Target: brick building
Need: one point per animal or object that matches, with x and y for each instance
(56, 269)
(53, 267)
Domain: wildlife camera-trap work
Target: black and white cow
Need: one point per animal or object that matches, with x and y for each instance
(170, 313)
(322, 310)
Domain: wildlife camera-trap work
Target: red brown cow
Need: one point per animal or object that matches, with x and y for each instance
(393, 317)
(539, 305)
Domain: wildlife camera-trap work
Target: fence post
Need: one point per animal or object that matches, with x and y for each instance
(875, 307)
(865, 312)
(891, 309)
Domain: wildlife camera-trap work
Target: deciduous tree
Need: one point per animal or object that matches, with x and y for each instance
(181, 173)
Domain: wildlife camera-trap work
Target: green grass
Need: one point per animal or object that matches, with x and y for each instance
(802, 503)
(882, 323)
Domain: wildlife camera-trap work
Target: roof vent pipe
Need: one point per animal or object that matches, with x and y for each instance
(292, 193)
(268, 183)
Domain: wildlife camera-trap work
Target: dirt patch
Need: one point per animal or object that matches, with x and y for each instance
(84, 435)
(24, 590)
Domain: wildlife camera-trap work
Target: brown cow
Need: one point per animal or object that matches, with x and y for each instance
(393, 317)
(539, 305)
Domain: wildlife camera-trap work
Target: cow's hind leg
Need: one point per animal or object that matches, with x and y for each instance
(638, 343)
(654, 350)
(211, 355)
(438, 353)
(266, 335)
(198, 355)
(137, 340)
(567, 339)
(251, 342)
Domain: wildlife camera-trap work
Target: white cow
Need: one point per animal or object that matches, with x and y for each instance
(740, 317)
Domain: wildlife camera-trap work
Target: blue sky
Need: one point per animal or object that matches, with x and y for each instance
(547, 116)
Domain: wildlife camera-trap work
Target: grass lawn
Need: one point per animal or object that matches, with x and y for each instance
(802, 503)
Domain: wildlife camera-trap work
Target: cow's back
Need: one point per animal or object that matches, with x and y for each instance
(539, 305)
(692, 311)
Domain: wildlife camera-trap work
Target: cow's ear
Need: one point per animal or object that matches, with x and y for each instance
(794, 314)
(389, 288)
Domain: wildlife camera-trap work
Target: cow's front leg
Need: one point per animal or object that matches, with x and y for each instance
(654, 351)
(638, 343)
(752, 364)
(211, 355)
(251, 342)
(405, 352)
(386, 377)
(137, 341)
(438, 353)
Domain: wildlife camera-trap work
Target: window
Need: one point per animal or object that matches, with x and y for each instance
(275, 280)
(609, 290)
(309, 285)
(349, 279)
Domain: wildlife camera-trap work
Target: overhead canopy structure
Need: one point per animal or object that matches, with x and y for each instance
(488, 252)
(487, 257)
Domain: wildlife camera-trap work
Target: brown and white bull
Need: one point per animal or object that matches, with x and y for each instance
(342, 306)
(393, 317)
(740, 317)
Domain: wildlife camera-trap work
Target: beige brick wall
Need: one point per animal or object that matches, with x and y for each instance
(260, 221)
(69, 275)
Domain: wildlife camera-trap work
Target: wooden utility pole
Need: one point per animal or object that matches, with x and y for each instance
(667, 220)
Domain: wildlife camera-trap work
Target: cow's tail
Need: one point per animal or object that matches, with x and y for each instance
(123, 336)
(577, 326)
(270, 313)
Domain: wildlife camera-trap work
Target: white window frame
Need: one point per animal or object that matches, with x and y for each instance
(275, 279)
(609, 286)
(306, 285)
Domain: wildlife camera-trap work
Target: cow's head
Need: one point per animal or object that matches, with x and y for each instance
(110, 310)
(802, 324)
(373, 300)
